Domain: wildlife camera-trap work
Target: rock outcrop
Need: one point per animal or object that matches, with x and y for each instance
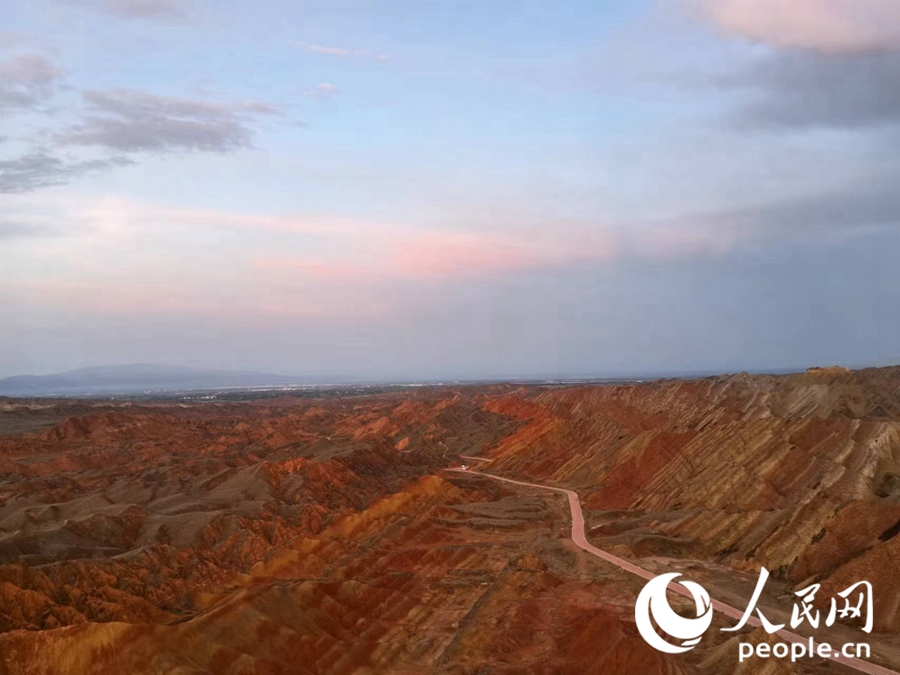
(322, 536)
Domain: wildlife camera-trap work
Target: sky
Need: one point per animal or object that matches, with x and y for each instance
(427, 189)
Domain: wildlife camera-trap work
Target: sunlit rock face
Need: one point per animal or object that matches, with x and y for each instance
(800, 474)
(323, 536)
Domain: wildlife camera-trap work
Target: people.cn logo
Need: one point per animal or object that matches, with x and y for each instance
(652, 602)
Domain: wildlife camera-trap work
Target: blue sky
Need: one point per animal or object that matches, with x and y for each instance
(407, 189)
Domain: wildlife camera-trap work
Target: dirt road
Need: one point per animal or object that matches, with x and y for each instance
(581, 542)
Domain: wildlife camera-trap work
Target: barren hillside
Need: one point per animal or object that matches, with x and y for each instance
(323, 536)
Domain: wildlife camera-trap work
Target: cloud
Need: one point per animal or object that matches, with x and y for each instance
(331, 51)
(344, 269)
(340, 52)
(132, 121)
(40, 169)
(140, 9)
(25, 81)
(834, 63)
(454, 254)
(136, 214)
(839, 213)
(436, 256)
(832, 26)
(323, 92)
(357, 251)
(353, 247)
(805, 89)
(295, 256)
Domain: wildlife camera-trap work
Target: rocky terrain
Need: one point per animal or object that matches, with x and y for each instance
(323, 536)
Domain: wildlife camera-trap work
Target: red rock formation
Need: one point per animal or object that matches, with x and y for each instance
(301, 536)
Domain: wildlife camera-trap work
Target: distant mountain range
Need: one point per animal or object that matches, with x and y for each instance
(135, 378)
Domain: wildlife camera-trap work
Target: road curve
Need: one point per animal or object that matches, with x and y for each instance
(581, 542)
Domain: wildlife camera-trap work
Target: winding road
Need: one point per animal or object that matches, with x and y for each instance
(581, 542)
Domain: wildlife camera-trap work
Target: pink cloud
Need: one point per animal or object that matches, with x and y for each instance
(824, 25)
(324, 269)
(323, 92)
(434, 256)
(359, 251)
(341, 52)
(117, 214)
(449, 255)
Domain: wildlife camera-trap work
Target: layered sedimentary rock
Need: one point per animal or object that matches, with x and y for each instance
(800, 473)
(322, 536)
(124, 514)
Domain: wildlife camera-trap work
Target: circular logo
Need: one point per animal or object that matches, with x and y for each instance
(652, 602)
